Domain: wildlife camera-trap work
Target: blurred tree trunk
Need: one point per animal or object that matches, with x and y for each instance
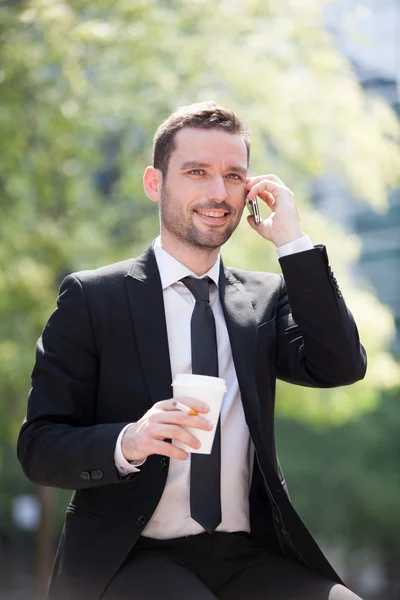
(44, 540)
(391, 562)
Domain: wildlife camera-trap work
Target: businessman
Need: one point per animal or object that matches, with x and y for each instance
(148, 520)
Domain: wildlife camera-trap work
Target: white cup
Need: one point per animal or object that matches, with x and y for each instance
(210, 390)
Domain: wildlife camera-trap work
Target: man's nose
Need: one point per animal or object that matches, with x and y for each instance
(217, 189)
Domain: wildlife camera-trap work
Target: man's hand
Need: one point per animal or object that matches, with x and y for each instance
(283, 224)
(164, 421)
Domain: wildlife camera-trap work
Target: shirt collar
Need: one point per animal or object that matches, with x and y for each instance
(172, 271)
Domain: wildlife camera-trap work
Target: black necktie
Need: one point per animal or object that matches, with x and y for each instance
(205, 469)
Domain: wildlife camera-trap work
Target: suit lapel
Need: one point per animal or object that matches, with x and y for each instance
(143, 286)
(242, 330)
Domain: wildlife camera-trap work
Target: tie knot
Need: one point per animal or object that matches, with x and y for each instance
(200, 288)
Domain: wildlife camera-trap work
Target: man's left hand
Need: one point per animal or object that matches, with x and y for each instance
(283, 224)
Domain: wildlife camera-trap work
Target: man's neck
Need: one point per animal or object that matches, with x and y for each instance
(197, 260)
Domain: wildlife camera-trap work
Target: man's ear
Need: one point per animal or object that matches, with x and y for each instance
(152, 183)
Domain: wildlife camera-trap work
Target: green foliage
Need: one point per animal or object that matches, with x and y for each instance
(344, 480)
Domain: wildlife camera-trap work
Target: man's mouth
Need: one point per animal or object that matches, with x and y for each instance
(212, 216)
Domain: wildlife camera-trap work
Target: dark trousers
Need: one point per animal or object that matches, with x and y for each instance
(223, 566)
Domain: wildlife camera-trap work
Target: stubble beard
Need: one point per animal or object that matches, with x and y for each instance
(181, 225)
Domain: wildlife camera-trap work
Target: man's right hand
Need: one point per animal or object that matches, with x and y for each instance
(163, 421)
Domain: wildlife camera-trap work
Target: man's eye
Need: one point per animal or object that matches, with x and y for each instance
(234, 176)
(197, 171)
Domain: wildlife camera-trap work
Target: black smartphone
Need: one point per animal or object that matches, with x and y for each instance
(252, 205)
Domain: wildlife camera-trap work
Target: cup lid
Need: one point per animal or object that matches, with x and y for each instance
(190, 379)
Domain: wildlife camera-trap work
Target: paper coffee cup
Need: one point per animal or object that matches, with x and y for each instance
(210, 390)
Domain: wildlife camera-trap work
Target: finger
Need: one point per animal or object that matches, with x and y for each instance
(265, 185)
(264, 176)
(268, 198)
(252, 223)
(175, 432)
(250, 181)
(262, 228)
(167, 449)
(197, 405)
(178, 417)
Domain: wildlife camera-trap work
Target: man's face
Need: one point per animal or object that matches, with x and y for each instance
(203, 193)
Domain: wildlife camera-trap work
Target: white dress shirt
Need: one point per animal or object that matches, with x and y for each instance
(172, 517)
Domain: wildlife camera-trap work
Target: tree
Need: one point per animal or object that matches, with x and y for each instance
(344, 480)
(84, 86)
(83, 90)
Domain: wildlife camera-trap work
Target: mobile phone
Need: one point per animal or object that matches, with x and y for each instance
(252, 205)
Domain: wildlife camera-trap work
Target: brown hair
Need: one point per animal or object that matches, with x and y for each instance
(202, 115)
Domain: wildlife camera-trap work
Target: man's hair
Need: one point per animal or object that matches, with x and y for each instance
(202, 115)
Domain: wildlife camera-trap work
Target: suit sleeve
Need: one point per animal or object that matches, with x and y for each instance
(318, 343)
(60, 444)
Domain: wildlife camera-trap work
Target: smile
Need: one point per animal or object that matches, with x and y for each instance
(213, 216)
(212, 213)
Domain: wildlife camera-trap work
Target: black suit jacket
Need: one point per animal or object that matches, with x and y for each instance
(103, 361)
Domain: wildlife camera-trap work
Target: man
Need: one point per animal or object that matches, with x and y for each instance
(100, 415)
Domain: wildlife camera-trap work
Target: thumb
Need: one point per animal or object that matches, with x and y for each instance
(251, 222)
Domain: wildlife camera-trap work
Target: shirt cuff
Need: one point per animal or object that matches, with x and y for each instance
(301, 245)
(124, 466)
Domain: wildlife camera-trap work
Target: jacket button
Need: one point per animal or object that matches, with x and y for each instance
(141, 521)
(163, 462)
(97, 474)
(85, 475)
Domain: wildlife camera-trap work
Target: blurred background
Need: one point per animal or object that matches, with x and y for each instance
(83, 86)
